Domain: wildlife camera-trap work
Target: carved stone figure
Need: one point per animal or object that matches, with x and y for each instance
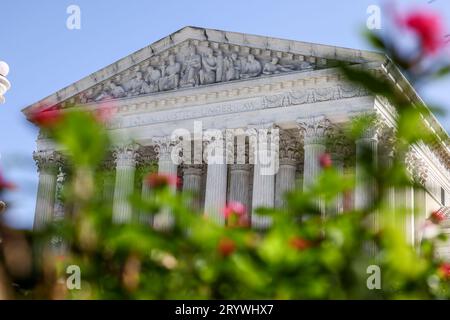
(101, 92)
(87, 95)
(127, 82)
(137, 84)
(152, 78)
(232, 67)
(209, 65)
(170, 75)
(116, 91)
(251, 68)
(191, 68)
(220, 75)
(275, 67)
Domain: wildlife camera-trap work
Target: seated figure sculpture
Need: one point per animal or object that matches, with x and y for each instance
(170, 75)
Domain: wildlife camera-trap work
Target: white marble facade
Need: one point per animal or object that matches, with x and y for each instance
(225, 80)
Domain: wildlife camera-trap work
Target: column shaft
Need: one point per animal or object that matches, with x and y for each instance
(285, 180)
(239, 184)
(45, 201)
(124, 186)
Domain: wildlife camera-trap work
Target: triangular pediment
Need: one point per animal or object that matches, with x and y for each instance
(193, 57)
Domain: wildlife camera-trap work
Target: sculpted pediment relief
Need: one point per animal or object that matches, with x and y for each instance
(197, 63)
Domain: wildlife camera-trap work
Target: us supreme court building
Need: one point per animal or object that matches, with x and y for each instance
(195, 85)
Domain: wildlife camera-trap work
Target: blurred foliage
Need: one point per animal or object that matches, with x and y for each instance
(304, 255)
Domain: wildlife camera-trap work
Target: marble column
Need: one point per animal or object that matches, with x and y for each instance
(166, 165)
(338, 164)
(216, 178)
(387, 155)
(266, 164)
(146, 166)
(125, 157)
(366, 150)
(192, 183)
(240, 183)
(59, 211)
(285, 178)
(314, 131)
(46, 162)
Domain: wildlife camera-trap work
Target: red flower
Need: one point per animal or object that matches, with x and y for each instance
(105, 112)
(46, 118)
(236, 214)
(437, 216)
(226, 247)
(325, 160)
(428, 27)
(444, 270)
(6, 185)
(299, 244)
(234, 207)
(161, 180)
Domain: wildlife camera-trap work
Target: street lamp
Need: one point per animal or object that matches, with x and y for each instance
(4, 83)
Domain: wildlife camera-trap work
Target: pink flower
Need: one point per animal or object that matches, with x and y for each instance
(226, 247)
(325, 160)
(6, 185)
(428, 27)
(162, 180)
(234, 207)
(437, 216)
(299, 244)
(429, 230)
(46, 118)
(444, 270)
(104, 112)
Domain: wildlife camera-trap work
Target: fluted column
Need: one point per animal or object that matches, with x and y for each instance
(216, 177)
(266, 164)
(338, 165)
(167, 166)
(366, 150)
(240, 183)
(285, 178)
(192, 183)
(387, 151)
(59, 210)
(314, 131)
(47, 165)
(125, 157)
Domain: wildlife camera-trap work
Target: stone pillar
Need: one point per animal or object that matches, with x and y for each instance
(266, 164)
(414, 199)
(366, 150)
(47, 165)
(192, 183)
(387, 149)
(216, 177)
(59, 211)
(125, 157)
(285, 178)
(240, 184)
(338, 164)
(145, 167)
(314, 131)
(166, 165)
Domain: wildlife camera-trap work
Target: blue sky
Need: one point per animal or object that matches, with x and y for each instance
(45, 56)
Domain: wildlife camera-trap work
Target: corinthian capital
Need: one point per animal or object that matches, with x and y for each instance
(163, 146)
(47, 159)
(290, 147)
(126, 155)
(314, 129)
(417, 167)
